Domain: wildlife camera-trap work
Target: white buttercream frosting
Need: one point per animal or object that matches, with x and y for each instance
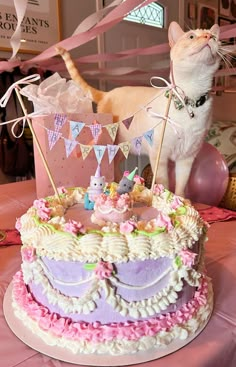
(50, 239)
(39, 274)
(176, 232)
(181, 330)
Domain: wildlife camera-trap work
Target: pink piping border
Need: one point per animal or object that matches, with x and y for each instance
(96, 332)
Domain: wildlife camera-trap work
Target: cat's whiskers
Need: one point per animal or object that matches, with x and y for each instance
(226, 58)
(227, 50)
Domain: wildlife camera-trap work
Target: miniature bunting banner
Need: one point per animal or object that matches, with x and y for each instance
(53, 137)
(85, 150)
(127, 122)
(76, 128)
(112, 150)
(112, 130)
(59, 121)
(125, 148)
(96, 131)
(149, 135)
(69, 145)
(137, 144)
(99, 151)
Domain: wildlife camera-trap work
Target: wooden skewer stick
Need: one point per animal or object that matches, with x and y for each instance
(37, 144)
(161, 139)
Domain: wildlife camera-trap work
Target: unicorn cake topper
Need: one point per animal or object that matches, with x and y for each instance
(126, 184)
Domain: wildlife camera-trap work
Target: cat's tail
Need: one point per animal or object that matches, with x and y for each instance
(95, 94)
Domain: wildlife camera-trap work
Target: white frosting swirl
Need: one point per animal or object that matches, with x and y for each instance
(181, 331)
(49, 238)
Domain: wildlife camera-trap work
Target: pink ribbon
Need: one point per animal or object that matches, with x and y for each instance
(114, 17)
(94, 18)
(228, 31)
(88, 30)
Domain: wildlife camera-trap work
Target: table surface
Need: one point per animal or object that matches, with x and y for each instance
(214, 347)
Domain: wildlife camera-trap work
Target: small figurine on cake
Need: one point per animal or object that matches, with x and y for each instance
(113, 208)
(126, 184)
(96, 187)
(115, 205)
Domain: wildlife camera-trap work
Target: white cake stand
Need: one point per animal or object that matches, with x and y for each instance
(33, 341)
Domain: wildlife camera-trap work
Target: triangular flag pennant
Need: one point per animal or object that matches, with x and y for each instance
(85, 150)
(112, 150)
(96, 131)
(125, 148)
(69, 145)
(112, 130)
(148, 135)
(127, 122)
(99, 152)
(137, 144)
(53, 137)
(76, 128)
(59, 121)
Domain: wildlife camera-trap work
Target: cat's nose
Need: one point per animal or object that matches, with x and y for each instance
(208, 36)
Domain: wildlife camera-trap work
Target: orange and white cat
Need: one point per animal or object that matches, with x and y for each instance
(195, 57)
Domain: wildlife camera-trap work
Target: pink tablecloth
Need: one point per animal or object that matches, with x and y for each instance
(214, 347)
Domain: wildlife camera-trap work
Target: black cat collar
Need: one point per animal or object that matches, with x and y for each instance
(188, 101)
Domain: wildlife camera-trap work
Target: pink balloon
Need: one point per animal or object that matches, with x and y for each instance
(209, 177)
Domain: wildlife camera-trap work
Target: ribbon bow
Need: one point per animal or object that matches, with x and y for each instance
(3, 102)
(173, 124)
(155, 114)
(177, 91)
(25, 81)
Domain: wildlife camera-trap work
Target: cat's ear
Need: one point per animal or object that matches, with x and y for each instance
(174, 33)
(215, 30)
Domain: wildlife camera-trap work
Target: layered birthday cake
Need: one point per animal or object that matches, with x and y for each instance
(115, 286)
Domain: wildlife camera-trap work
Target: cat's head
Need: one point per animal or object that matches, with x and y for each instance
(97, 182)
(199, 46)
(125, 185)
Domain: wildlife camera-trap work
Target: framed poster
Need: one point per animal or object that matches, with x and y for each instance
(207, 16)
(40, 27)
(224, 8)
(227, 8)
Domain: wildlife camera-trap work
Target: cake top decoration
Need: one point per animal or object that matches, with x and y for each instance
(126, 184)
(96, 187)
(98, 172)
